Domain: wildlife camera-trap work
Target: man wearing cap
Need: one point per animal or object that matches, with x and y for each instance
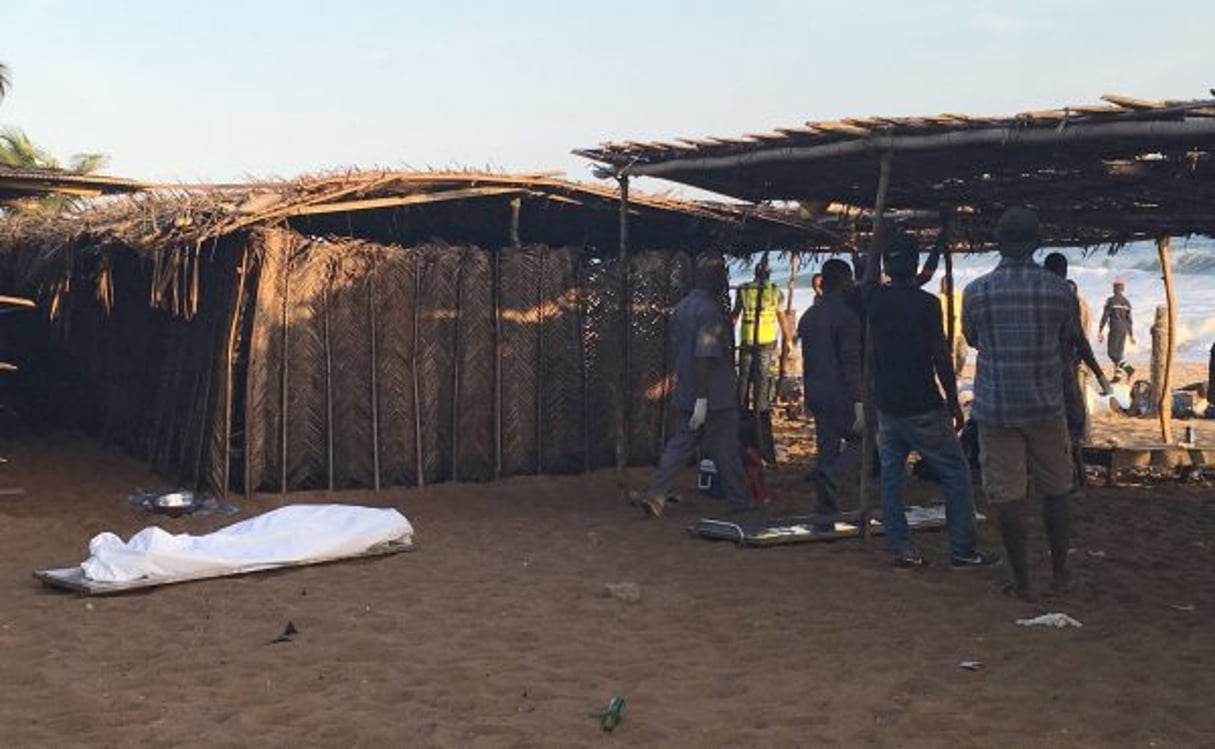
(704, 395)
(910, 358)
(830, 334)
(757, 310)
(1018, 317)
(1117, 314)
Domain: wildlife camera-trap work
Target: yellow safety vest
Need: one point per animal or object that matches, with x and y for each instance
(749, 294)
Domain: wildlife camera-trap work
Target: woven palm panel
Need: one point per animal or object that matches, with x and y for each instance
(264, 375)
(519, 309)
(308, 366)
(436, 369)
(603, 352)
(394, 292)
(474, 396)
(647, 355)
(562, 439)
(351, 331)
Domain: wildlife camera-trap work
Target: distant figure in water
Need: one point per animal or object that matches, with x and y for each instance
(1117, 314)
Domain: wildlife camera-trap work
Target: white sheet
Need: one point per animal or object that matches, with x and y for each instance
(295, 533)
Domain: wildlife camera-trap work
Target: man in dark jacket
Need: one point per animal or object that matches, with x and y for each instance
(830, 334)
(1117, 314)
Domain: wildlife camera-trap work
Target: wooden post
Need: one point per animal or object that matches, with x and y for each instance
(1164, 406)
(868, 440)
(950, 308)
(622, 405)
(375, 384)
(1160, 332)
(242, 273)
(785, 343)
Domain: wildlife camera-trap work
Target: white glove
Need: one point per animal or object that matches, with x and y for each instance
(699, 412)
(858, 423)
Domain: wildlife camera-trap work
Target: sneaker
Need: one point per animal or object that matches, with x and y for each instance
(910, 560)
(973, 560)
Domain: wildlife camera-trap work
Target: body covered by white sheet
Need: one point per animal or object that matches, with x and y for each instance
(291, 534)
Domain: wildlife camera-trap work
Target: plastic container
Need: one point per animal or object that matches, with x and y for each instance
(707, 479)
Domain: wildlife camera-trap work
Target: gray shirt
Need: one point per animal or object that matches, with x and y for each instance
(699, 331)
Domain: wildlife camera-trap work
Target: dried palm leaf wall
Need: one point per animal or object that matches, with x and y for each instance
(372, 365)
(285, 362)
(145, 378)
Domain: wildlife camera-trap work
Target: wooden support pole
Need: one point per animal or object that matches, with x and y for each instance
(496, 284)
(242, 273)
(1165, 406)
(623, 404)
(375, 385)
(787, 325)
(868, 440)
(950, 307)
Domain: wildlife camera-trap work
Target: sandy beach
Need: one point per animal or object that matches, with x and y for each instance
(496, 630)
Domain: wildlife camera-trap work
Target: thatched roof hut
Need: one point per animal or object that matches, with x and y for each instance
(373, 328)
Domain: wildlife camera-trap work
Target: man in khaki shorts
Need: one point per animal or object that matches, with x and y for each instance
(1016, 317)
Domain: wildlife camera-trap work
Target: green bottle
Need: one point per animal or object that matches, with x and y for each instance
(613, 714)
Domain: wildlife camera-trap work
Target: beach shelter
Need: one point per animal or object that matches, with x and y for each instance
(1105, 174)
(371, 329)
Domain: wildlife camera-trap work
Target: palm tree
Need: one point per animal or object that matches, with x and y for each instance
(5, 81)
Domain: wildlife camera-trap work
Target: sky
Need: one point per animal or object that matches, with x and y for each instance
(222, 91)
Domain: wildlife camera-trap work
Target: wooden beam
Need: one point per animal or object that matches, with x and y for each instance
(17, 301)
(402, 200)
(878, 142)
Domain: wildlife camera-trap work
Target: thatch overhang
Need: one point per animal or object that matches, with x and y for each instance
(407, 207)
(1113, 173)
(20, 183)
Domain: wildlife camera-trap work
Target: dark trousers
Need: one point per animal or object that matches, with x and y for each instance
(838, 457)
(755, 367)
(1116, 344)
(719, 440)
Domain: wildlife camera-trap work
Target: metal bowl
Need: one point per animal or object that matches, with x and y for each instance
(175, 501)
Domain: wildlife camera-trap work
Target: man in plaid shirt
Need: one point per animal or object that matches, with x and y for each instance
(1016, 317)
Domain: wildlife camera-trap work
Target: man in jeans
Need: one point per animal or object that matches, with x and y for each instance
(1017, 317)
(704, 395)
(910, 357)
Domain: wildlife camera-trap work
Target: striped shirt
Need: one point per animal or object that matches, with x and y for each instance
(1016, 316)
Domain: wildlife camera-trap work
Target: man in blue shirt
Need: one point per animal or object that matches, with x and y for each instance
(1018, 318)
(705, 393)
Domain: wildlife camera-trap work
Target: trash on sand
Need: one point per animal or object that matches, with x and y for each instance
(288, 632)
(971, 665)
(627, 592)
(611, 717)
(1056, 620)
